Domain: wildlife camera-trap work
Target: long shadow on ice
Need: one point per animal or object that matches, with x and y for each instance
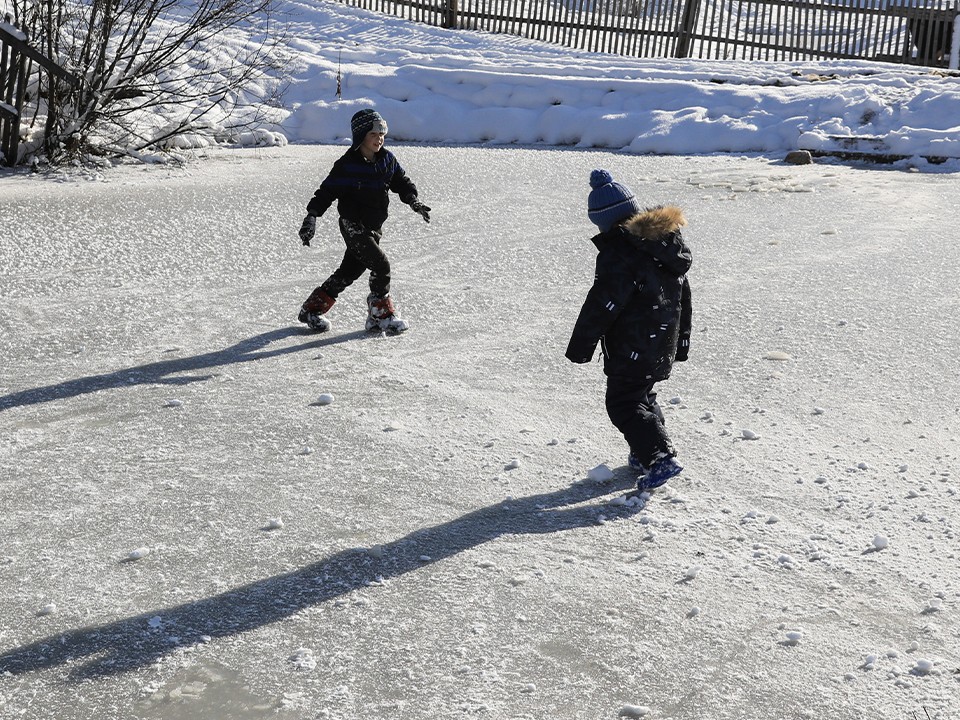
(166, 371)
(136, 642)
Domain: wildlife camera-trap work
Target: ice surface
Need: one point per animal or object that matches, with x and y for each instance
(502, 579)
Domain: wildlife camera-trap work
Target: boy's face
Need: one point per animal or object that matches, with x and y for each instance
(372, 142)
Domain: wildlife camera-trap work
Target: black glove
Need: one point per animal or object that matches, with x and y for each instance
(683, 349)
(419, 207)
(308, 229)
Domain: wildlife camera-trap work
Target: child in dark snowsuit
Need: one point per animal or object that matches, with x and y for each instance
(639, 311)
(360, 182)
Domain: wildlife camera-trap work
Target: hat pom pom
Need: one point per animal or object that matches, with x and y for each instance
(599, 178)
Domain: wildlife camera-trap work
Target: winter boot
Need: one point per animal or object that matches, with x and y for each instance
(382, 315)
(313, 309)
(662, 470)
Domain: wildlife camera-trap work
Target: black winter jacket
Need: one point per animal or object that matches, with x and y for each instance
(640, 304)
(361, 188)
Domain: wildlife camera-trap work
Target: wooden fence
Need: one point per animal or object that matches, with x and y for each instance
(906, 31)
(16, 56)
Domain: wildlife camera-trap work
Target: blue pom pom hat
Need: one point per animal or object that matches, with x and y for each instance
(609, 202)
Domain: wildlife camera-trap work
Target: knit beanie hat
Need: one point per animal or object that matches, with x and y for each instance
(609, 202)
(365, 121)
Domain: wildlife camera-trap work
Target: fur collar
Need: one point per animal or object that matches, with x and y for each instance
(656, 223)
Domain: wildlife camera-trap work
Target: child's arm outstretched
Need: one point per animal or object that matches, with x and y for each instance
(401, 184)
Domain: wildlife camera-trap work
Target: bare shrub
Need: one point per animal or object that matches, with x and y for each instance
(152, 73)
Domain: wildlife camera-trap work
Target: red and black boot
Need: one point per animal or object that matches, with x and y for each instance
(313, 309)
(382, 315)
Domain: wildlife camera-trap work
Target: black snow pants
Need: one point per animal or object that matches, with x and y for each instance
(363, 253)
(634, 411)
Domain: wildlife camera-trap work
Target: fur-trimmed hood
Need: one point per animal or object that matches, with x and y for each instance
(656, 222)
(656, 231)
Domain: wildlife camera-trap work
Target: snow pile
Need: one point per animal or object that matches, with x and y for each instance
(457, 87)
(438, 86)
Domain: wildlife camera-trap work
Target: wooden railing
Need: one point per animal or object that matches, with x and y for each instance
(906, 31)
(16, 56)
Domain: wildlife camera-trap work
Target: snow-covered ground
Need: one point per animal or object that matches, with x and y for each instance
(191, 529)
(209, 512)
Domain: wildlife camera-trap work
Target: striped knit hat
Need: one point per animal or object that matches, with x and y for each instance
(609, 203)
(365, 121)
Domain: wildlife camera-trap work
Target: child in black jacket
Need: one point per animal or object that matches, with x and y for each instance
(360, 182)
(639, 310)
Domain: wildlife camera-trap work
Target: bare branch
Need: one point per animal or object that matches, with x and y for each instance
(150, 69)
